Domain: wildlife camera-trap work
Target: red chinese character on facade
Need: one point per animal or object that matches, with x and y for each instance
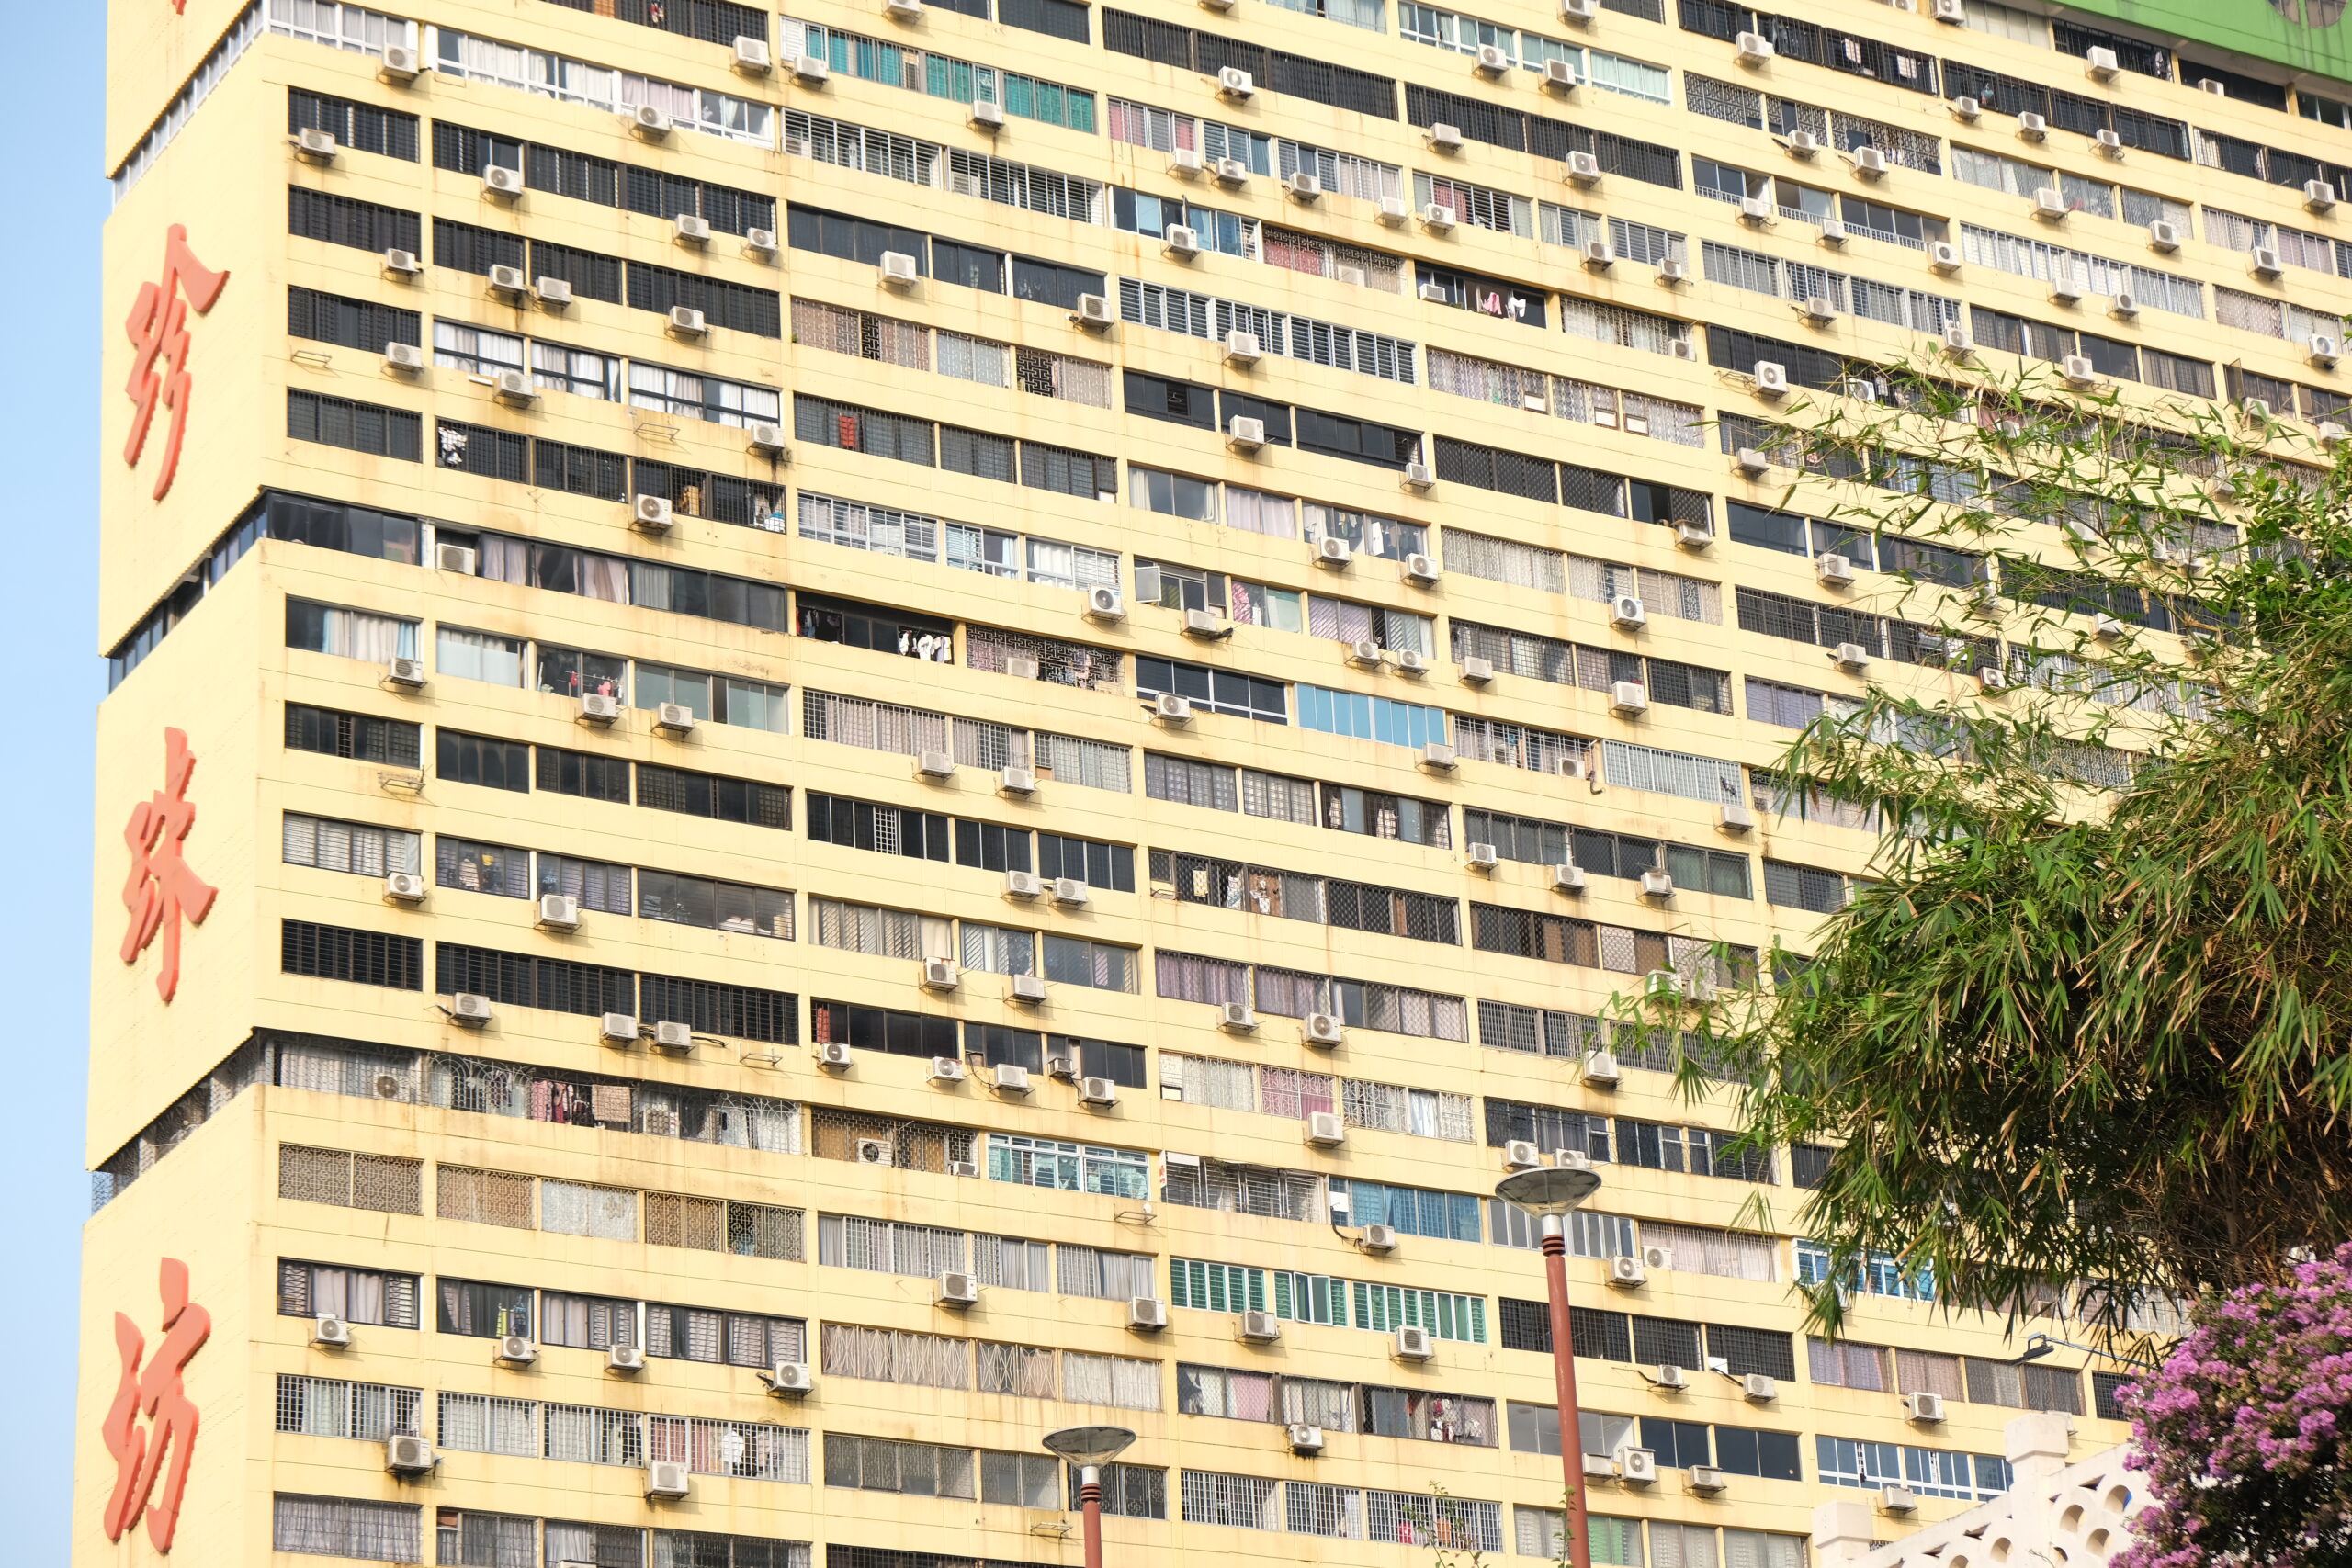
(163, 886)
(159, 1394)
(158, 330)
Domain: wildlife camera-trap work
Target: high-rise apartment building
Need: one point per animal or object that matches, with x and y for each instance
(841, 734)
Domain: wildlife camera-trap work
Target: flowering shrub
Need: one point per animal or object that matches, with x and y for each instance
(2243, 1433)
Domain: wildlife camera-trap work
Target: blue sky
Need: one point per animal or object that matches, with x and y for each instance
(51, 334)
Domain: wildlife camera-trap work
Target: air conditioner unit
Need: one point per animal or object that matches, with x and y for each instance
(599, 708)
(1758, 1389)
(1944, 256)
(1029, 990)
(2163, 236)
(1023, 885)
(1626, 1273)
(834, 1055)
(689, 230)
(1018, 779)
(1626, 612)
(1182, 242)
(406, 1454)
(405, 887)
(470, 1010)
(1834, 571)
(945, 1069)
(1099, 1092)
(2050, 206)
(687, 322)
(1105, 605)
(1672, 1377)
(935, 765)
(1440, 758)
(2106, 628)
(1870, 163)
(899, 269)
(1656, 885)
(501, 182)
(1482, 857)
(810, 69)
(516, 1350)
(2100, 63)
(1476, 672)
(1990, 681)
(1851, 656)
(1771, 379)
(1146, 1314)
(1414, 1344)
(1801, 144)
(1169, 708)
(651, 121)
(1629, 698)
(671, 1034)
(1833, 233)
(1600, 1467)
(1235, 1018)
(508, 280)
(1602, 1070)
(1437, 219)
(902, 10)
(1521, 1154)
(1235, 83)
(1706, 1480)
(940, 974)
(2319, 196)
(1244, 433)
(313, 146)
(673, 718)
(1755, 48)
(1559, 76)
(2066, 286)
(760, 242)
(1584, 169)
(1433, 293)
(1304, 1440)
(668, 1478)
(514, 389)
(1445, 138)
(871, 1151)
(403, 264)
(1365, 653)
(1755, 211)
(2332, 434)
(984, 116)
(1819, 311)
(2109, 143)
(1231, 172)
(1579, 10)
(558, 912)
(1638, 1467)
(623, 1359)
(404, 674)
(399, 64)
(1069, 892)
(1093, 312)
(2078, 371)
(1567, 878)
(2323, 350)
(751, 56)
(1492, 61)
(1893, 1499)
(2255, 411)
(2032, 127)
(2265, 262)
(957, 1288)
(1206, 626)
(1927, 1409)
(1260, 1328)
(329, 1332)
(1409, 662)
(616, 1028)
(790, 1380)
(1325, 1129)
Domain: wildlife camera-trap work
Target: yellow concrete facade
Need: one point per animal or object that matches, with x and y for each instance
(193, 1103)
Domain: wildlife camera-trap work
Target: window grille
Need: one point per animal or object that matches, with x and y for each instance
(350, 1180)
(473, 1423)
(890, 1247)
(484, 1197)
(333, 1407)
(903, 1144)
(1246, 1501)
(339, 1527)
(889, 1356)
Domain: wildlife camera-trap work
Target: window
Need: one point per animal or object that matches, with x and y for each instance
(582, 773)
(331, 845)
(346, 220)
(359, 427)
(1068, 1168)
(357, 1296)
(478, 655)
(338, 952)
(709, 795)
(480, 760)
(1217, 691)
(337, 1527)
(348, 634)
(1367, 718)
(348, 324)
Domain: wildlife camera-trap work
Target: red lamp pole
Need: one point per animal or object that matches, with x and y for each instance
(1563, 1368)
(1089, 1505)
(1089, 1449)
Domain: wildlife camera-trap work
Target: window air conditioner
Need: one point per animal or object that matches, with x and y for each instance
(1445, 138)
(1834, 571)
(1771, 379)
(1626, 612)
(1706, 1479)
(1418, 477)
(402, 264)
(1433, 293)
(1412, 1344)
(1440, 758)
(1324, 1130)
(516, 1350)
(650, 121)
(1235, 83)
(1626, 1273)
(1098, 1092)
(2078, 371)
(470, 1010)
(899, 269)
(403, 888)
(1755, 48)
(404, 674)
(939, 974)
(1492, 61)
(751, 56)
(1232, 172)
(670, 1034)
(399, 65)
(1170, 709)
(1559, 76)
(1029, 990)
(1833, 233)
(1657, 885)
(1260, 1328)
(984, 116)
(623, 1359)
(2319, 196)
(935, 765)
(558, 912)
(1758, 1389)
(1628, 698)
(790, 1380)
(331, 1333)
(1519, 1154)
(1236, 1018)
(1893, 1499)
(405, 1454)
(1106, 605)
(1567, 878)
(313, 146)
(1755, 211)
(1243, 433)
(1584, 169)
(2032, 127)
(1304, 1440)
(1146, 1314)
(668, 1478)
(1638, 1467)
(833, 1054)
(1870, 163)
(687, 322)
(1093, 312)
(1851, 656)
(2100, 63)
(810, 71)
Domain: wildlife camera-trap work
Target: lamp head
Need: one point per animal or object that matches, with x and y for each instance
(1089, 1444)
(1549, 1190)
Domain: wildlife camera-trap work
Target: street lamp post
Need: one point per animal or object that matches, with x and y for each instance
(1551, 1192)
(1089, 1449)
